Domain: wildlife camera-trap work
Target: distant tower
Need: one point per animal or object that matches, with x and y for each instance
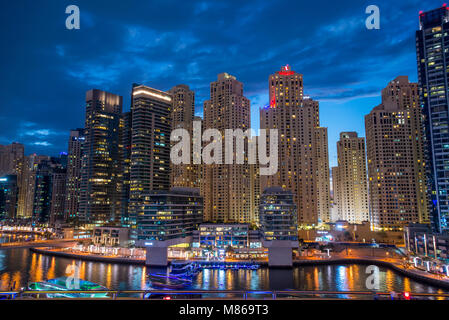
(396, 169)
(323, 176)
(303, 155)
(73, 182)
(101, 165)
(126, 165)
(227, 194)
(182, 116)
(11, 159)
(349, 179)
(58, 195)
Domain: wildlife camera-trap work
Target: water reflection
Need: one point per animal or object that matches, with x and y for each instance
(20, 266)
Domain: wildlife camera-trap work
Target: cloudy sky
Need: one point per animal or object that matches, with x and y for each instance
(46, 69)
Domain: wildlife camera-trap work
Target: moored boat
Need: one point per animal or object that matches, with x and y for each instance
(168, 282)
(60, 284)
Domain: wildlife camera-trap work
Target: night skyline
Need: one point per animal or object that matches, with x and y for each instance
(48, 69)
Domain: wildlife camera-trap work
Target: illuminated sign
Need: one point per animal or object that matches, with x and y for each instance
(152, 94)
(286, 71)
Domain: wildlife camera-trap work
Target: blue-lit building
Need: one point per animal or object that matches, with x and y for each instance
(278, 217)
(169, 216)
(223, 235)
(8, 197)
(432, 46)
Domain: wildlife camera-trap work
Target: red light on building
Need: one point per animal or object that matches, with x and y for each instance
(167, 298)
(407, 295)
(286, 71)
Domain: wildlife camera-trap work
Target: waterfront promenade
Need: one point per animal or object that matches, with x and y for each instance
(398, 263)
(37, 243)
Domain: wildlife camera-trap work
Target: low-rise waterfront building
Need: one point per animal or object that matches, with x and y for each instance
(169, 215)
(111, 236)
(278, 223)
(278, 215)
(421, 241)
(237, 240)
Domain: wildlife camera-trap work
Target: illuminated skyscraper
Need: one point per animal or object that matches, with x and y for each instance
(58, 194)
(396, 169)
(335, 214)
(323, 176)
(101, 165)
(73, 183)
(182, 116)
(302, 146)
(150, 146)
(43, 202)
(11, 158)
(432, 47)
(227, 194)
(349, 179)
(126, 152)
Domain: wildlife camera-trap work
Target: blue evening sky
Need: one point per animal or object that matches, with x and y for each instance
(46, 69)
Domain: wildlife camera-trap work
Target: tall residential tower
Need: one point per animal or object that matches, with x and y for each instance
(150, 147)
(101, 164)
(432, 47)
(396, 169)
(349, 179)
(227, 193)
(303, 164)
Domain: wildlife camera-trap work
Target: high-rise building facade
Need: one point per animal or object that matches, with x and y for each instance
(227, 194)
(150, 147)
(350, 179)
(58, 195)
(323, 175)
(254, 171)
(126, 165)
(335, 215)
(8, 196)
(432, 47)
(396, 168)
(43, 189)
(100, 197)
(182, 116)
(26, 188)
(73, 182)
(11, 158)
(301, 146)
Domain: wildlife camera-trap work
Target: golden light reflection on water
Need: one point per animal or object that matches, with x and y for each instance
(21, 266)
(5, 281)
(51, 270)
(143, 278)
(109, 276)
(390, 280)
(316, 277)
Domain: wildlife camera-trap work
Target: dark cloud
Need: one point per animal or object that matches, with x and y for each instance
(46, 69)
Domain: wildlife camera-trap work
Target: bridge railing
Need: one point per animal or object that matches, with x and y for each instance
(216, 294)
